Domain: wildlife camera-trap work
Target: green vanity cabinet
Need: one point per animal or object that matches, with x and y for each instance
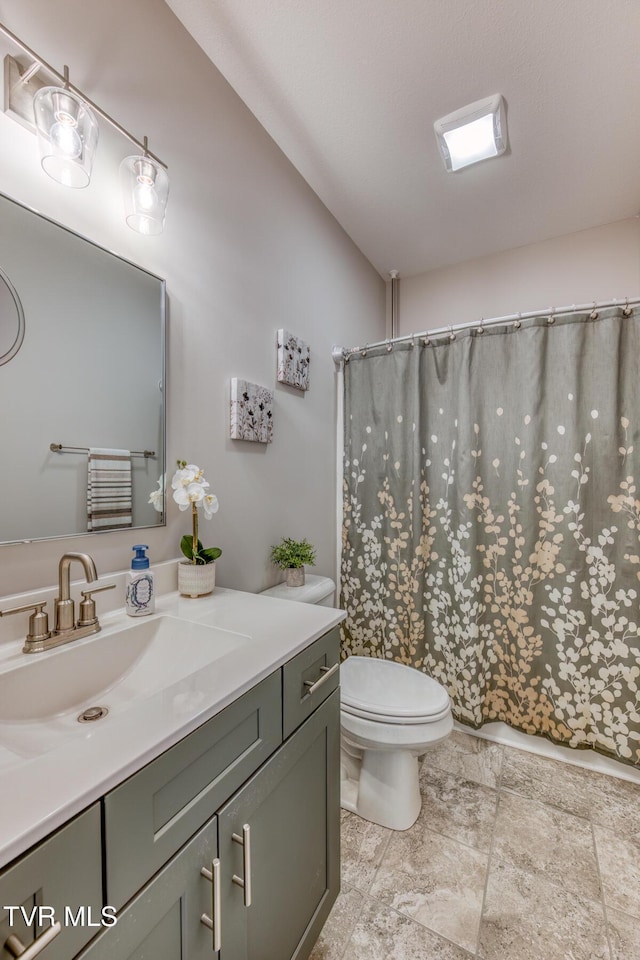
(226, 846)
(290, 810)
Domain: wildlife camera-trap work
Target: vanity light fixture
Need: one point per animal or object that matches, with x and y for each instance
(473, 133)
(145, 189)
(67, 133)
(65, 121)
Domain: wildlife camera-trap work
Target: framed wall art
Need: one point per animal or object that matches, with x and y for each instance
(251, 412)
(294, 356)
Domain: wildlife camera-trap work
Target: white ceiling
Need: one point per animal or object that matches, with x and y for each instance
(350, 89)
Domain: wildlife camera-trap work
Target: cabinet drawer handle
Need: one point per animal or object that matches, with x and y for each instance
(326, 673)
(17, 949)
(245, 843)
(213, 923)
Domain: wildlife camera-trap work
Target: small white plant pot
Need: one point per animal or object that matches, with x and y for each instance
(295, 576)
(196, 579)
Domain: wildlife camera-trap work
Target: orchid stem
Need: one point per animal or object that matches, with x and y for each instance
(194, 543)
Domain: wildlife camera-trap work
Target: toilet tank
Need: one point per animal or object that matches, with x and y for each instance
(320, 590)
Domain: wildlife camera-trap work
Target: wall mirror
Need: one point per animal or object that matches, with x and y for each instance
(82, 341)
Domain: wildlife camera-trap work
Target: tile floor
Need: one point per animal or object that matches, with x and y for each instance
(513, 857)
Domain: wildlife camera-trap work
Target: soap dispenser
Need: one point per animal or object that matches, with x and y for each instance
(140, 598)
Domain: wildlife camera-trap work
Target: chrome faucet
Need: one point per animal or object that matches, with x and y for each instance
(66, 628)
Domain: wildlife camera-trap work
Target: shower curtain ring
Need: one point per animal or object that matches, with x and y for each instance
(412, 341)
(551, 319)
(389, 347)
(627, 309)
(594, 313)
(452, 335)
(481, 327)
(426, 341)
(518, 323)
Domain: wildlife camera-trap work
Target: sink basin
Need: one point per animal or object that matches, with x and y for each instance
(114, 669)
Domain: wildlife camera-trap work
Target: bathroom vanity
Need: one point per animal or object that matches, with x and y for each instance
(217, 829)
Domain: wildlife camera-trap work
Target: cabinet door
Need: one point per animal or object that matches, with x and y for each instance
(291, 807)
(163, 922)
(62, 874)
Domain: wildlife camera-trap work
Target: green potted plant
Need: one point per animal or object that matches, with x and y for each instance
(291, 556)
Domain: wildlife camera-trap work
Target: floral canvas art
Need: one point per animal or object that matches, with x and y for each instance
(294, 356)
(251, 412)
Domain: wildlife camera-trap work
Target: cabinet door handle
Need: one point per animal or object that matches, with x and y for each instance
(326, 673)
(213, 923)
(245, 843)
(17, 949)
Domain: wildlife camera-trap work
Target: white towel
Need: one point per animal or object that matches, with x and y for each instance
(108, 489)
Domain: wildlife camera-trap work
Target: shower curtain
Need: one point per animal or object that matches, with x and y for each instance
(491, 530)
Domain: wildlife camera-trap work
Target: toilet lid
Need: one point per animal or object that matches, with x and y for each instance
(391, 692)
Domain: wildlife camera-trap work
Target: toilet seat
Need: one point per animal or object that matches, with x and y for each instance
(390, 692)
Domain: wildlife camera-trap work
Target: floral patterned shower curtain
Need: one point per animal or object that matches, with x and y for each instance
(492, 522)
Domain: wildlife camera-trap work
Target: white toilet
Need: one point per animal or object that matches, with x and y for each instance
(390, 714)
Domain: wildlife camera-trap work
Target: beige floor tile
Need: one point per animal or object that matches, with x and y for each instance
(382, 934)
(457, 808)
(619, 860)
(436, 881)
(363, 845)
(469, 757)
(541, 839)
(615, 804)
(549, 781)
(528, 918)
(624, 935)
(337, 930)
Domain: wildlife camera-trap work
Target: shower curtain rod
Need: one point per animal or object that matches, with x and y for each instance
(340, 354)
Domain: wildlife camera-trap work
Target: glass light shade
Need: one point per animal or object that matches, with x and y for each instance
(67, 135)
(145, 191)
(473, 133)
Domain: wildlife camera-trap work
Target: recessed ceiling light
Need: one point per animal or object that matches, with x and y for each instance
(473, 133)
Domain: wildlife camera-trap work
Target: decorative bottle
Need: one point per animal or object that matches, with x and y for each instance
(140, 597)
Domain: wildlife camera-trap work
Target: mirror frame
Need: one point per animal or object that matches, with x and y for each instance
(163, 372)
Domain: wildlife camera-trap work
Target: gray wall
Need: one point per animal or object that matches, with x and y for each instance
(247, 248)
(597, 264)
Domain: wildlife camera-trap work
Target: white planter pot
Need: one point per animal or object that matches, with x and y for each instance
(196, 579)
(295, 576)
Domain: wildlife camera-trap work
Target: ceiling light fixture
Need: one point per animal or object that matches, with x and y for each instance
(473, 133)
(65, 121)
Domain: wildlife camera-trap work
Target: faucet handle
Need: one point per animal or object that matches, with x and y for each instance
(87, 608)
(38, 621)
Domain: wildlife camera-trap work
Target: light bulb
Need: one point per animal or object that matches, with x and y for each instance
(66, 138)
(146, 196)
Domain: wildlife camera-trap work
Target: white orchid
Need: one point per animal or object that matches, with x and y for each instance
(156, 497)
(190, 490)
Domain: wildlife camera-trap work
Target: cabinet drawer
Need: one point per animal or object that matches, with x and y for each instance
(308, 680)
(150, 816)
(62, 872)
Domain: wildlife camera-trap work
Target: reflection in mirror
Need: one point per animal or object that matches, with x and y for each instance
(89, 377)
(11, 319)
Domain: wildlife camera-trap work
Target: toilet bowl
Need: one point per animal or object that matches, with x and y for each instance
(390, 714)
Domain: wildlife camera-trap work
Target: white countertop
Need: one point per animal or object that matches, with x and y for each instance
(39, 794)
